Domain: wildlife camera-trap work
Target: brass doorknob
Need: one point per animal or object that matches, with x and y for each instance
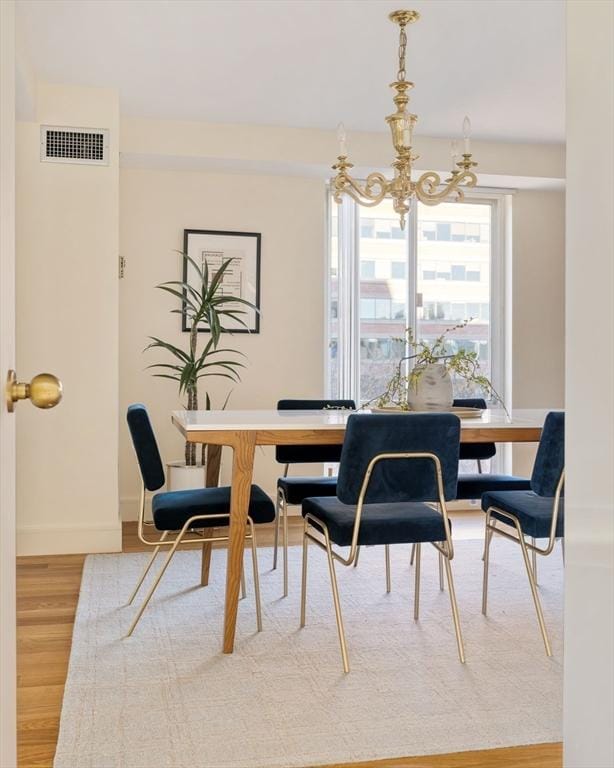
(44, 391)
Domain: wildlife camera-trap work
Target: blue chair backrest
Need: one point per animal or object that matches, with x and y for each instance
(473, 451)
(310, 454)
(550, 459)
(399, 480)
(146, 448)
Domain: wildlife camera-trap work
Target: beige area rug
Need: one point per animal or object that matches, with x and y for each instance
(168, 698)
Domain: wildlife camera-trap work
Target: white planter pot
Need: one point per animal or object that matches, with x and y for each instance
(183, 478)
(434, 390)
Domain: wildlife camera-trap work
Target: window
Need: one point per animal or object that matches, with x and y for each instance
(367, 308)
(367, 229)
(367, 270)
(444, 230)
(382, 309)
(399, 270)
(375, 272)
(457, 231)
(427, 230)
(468, 295)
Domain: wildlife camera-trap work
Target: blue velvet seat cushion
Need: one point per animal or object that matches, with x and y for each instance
(170, 510)
(472, 486)
(399, 523)
(534, 513)
(298, 488)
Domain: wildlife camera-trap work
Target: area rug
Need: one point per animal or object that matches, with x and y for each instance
(168, 698)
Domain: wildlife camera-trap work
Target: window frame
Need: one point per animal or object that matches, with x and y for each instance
(348, 289)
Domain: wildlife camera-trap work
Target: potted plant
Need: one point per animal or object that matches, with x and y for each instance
(427, 386)
(203, 301)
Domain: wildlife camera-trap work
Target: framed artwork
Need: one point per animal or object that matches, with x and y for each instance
(241, 279)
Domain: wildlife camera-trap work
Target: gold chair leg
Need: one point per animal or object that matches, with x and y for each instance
(417, 550)
(152, 589)
(357, 556)
(304, 576)
(440, 571)
(533, 585)
(284, 507)
(534, 559)
(486, 558)
(487, 533)
(146, 570)
(413, 554)
(333, 581)
(455, 616)
(276, 539)
(256, 575)
(243, 589)
(388, 578)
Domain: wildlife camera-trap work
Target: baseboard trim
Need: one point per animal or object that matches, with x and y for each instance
(68, 539)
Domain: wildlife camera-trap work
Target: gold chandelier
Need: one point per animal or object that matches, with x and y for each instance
(429, 188)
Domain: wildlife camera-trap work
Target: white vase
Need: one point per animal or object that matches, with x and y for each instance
(182, 478)
(433, 391)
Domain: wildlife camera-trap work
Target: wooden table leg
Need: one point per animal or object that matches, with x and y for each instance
(214, 458)
(206, 557)
(242, 472)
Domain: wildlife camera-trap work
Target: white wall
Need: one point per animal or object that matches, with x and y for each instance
(589, 513)
(538, 311)
(307, 151)
(67, 317)
(284, 359)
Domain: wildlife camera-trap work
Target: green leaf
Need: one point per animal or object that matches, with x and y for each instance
(164, 376)
(181, 296)
(223, 375)
(184, 287)
(169, 347)
(218, 277)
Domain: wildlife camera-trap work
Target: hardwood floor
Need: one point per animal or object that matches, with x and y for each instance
(47, 594)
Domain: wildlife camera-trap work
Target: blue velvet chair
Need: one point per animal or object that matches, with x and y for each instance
(192, 512)
(473, 485)
(395, 475)
(537, 513)
(292, 490)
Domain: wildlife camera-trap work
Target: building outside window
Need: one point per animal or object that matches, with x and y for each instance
(376, 272)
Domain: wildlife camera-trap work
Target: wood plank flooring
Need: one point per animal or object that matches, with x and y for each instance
(47, 594)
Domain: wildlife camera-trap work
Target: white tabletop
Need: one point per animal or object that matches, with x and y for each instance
(198, 421)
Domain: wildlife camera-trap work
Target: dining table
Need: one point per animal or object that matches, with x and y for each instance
(243, 430)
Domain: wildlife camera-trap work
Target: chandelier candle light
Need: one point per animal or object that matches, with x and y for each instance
(429, 188)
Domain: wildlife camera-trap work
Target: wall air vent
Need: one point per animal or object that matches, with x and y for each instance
(89, 146)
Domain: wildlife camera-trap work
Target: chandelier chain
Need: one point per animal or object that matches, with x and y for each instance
(402, 47)
(429, 188)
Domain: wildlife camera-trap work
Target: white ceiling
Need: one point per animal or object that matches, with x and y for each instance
(312, 63)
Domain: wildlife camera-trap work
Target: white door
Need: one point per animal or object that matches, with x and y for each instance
(46, 392)
(7, 361)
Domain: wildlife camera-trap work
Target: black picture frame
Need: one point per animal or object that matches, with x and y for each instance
(198, 241)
